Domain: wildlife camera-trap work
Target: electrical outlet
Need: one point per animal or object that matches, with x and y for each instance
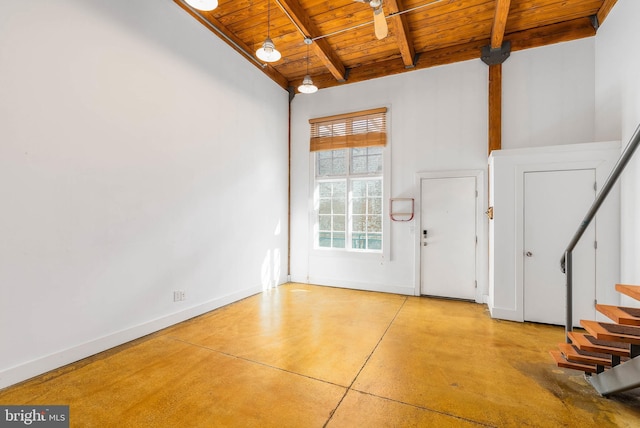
(179, 296)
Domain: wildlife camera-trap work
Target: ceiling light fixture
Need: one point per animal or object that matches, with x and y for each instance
(307, 86)
(206, 5)
(268, 51)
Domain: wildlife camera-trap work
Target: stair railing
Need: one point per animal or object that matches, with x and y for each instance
(566, 263)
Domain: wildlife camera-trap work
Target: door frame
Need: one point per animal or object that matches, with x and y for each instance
(482, 261)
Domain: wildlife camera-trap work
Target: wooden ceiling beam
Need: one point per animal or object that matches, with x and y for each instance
(320, 47)
(495, 76)
(394, 66)
(550, 34)
(604, 10)
(533, 38)
(495, 108)
(402, 33)
(238, 45)
(499, 23)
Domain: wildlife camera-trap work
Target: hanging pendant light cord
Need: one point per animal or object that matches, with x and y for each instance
(268, 17)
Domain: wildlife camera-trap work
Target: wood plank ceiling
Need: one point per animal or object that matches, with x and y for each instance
(422, 33)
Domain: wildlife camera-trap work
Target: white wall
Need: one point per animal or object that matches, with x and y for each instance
(617, 92)
(548, 96)
(139, 155)
(437, 122)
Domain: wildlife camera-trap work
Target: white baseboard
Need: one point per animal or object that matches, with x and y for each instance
(506, 314)
(299, 279)
(56, 360)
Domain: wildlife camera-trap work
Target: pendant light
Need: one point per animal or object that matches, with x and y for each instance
(268, 51)
(205, 5)
(307, 86)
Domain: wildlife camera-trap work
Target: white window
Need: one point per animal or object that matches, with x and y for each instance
(348, 181)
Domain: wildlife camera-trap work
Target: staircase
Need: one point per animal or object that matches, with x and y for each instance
(608, 353)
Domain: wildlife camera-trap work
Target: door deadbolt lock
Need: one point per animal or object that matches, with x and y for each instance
(528, 254)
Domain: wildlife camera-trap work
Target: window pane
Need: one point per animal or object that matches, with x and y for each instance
(324, 189)
(324, 167)
(367, 160)
(325, 222)
(359, 188)
(374, 163)
(358, 223)
(374, 206)
(338, 240)
(338, 223)
(374, 223)
(359, 240)
(359, 206)
(331, 163)
(324, 239)
(375, 241)
(338, 206)
(325, 206)
(359, 164)
(339, 188)
(374, 188)
(339, 166)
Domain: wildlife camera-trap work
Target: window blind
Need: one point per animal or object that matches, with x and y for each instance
(359, 129)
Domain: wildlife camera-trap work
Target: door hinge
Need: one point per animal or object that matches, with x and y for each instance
(476, 284)
(595, 245)
(476, 239)
(595, 302)
(595, 186)
(476, 193)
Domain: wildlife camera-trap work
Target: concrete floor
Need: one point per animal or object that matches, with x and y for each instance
(306, 356)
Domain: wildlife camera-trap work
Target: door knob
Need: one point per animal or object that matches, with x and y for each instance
(528, 254)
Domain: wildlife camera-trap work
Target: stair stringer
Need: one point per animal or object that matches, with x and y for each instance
(620, 378)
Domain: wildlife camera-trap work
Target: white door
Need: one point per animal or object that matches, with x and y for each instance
(448, 237)
(555, 203)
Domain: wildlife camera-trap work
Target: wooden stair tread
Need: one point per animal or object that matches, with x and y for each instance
(575, 355)
(629, 290)
(614, 332)
(620, 314)
(589, 343)
(562, 362)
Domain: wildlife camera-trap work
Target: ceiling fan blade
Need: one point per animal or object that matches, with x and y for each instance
(380, 23)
